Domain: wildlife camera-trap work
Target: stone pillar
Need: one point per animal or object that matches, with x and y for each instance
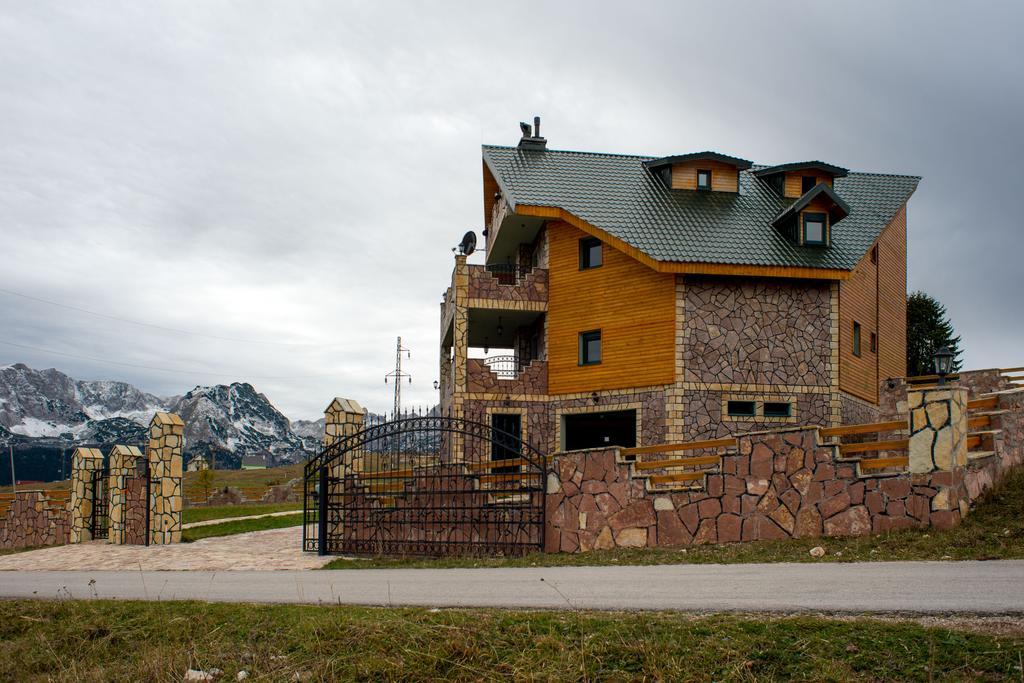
(343, 418)
(123, 460)
(460, 351)
(938, 448)
(84, 462)
(166, 440)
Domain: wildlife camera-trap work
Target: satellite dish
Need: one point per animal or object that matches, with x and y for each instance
(468, 244)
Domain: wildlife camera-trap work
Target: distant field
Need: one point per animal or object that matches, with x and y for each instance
(222, 478)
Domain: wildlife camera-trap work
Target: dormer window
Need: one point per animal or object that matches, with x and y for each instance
(815, 225)
(703, 180)
(807, 183)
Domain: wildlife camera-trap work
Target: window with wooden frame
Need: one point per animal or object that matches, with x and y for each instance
(590, 253)
(815, 226)
(856, 339)
(807, 183)
(590, 347)
(703, 180)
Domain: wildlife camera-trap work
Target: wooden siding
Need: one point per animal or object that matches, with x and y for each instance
(632, 305)
(875, 296)
(724, 178)
(792, 185)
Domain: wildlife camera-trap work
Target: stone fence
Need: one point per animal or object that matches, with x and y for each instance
(788, 483)
(109, 494)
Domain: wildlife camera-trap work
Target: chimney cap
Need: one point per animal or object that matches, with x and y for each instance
(531, 138)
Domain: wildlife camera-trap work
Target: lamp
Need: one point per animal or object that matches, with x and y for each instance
(943, 363)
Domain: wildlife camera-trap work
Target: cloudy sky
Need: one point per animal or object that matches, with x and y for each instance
(273, 189)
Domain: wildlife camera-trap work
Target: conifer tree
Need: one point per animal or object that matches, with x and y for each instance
(928, 329)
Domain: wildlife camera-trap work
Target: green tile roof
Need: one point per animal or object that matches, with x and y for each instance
(617, 194)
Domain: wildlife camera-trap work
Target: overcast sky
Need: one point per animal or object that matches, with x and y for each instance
(276, 186)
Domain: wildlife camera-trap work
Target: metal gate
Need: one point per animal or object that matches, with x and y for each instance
(432, 486)
(100, 526)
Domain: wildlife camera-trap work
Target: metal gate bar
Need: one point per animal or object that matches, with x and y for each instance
(100, 526)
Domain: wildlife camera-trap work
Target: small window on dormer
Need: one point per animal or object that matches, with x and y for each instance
(703, 180)
(807, 183)
(814, 229)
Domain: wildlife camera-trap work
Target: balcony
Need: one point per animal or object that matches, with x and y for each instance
(506, 375)
(509, 283)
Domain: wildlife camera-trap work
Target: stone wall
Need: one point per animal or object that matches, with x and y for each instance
(858, 411)
(757, 332)
(85, 462)
(531, 286)
(122, 466)
(532, 379)
(33, 520)
(784, 484)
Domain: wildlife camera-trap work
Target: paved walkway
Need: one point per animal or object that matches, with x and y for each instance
(917, 587)
(284, 513)
(274, 549)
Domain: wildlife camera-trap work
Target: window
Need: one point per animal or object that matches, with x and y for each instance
(814, 228)
(703, 180)
(741, 408)
(874, 343)
(856, 339)
(807, 183)
(590, 253)
(590, 347)
(777, 409)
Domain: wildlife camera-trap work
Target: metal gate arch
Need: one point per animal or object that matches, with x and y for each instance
(430, 486)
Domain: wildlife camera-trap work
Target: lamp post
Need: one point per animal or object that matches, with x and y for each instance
(943, 363)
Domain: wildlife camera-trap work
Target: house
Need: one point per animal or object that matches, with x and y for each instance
(637, 300)
(256, 462)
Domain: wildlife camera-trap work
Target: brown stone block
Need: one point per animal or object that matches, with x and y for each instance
(801, 481)
(795, 461)
(731, 504)
(707, 533)
(639, 513)
(689, 516)
(791, 499)
(709, 508)
(715, 485)
(835, 487)
(620, 491)
(757, 487)
(856, 493)
(897, 487)
(896, 508)
(808, 523)
(761, 462)
(941, 479)
(834, 505)
(769, 530)
(945, 519)
(824, 472)
(631, 538)
(671, 531)
(569, 543)
(784, 518)
(855, 521)
(729, 528)
(898, 523)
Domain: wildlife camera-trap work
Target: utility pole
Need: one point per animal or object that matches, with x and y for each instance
(397, 375)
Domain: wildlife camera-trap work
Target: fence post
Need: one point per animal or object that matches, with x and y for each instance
(321, 516)
(123, 461)
(166, 441)
(938, 448)
(84, 463)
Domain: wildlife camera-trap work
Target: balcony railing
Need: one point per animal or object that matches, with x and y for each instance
(505, 367)
(508, 282)
(508, 273)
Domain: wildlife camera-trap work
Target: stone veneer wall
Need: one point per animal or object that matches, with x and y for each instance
(34, 520)
(123, 460)
(84, 463)
(858, 411)
(532, 286)
(166, 440)
(781, 484)
(532, 379)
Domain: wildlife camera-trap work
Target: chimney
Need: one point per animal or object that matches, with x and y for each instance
(531, 137)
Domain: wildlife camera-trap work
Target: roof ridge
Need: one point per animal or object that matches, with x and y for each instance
(575, 151)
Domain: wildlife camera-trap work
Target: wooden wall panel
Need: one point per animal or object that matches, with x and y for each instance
(875, 297)
(791, 188)
(633, 306)
(892, 300)
(724, 178)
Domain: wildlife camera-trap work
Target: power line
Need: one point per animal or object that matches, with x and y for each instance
(159, 369)
(158, 327)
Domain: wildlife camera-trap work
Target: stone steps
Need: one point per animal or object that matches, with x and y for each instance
(975, 456)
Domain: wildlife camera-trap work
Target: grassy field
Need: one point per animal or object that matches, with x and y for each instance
(203, 514)
(995, 530)
(102, 640)
(242, 526)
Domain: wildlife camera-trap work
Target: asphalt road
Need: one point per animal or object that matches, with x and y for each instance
(995, 587)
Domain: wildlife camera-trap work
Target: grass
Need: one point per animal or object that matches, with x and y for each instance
(995, 530)
(203, 514)
(115, 640)
(242, 526)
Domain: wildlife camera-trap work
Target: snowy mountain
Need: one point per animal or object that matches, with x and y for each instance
(46, 411)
